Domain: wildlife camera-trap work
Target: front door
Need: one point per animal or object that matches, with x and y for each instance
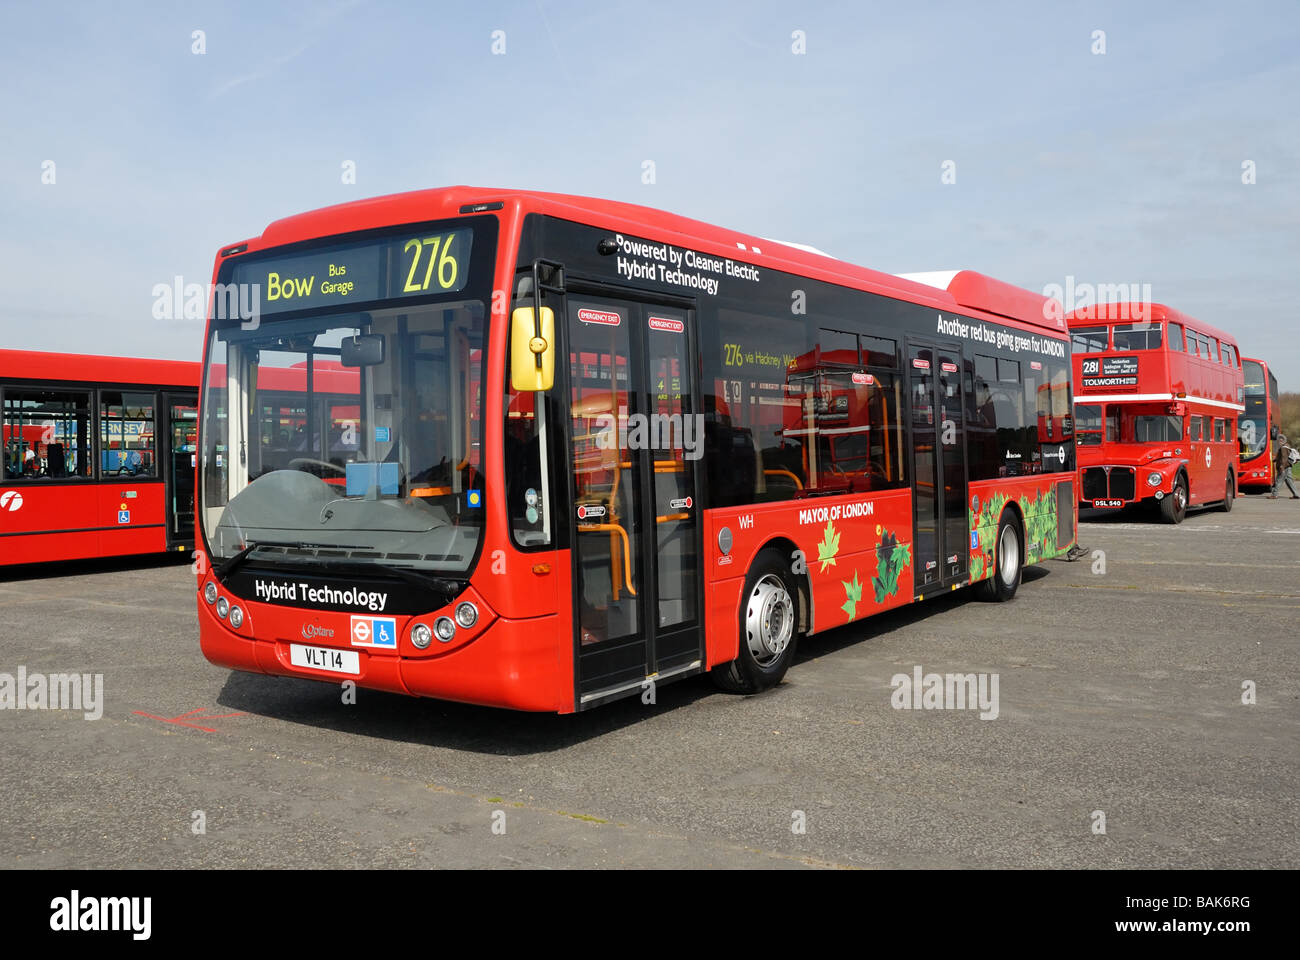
(941, 537)
(635, 438)
(178, 463)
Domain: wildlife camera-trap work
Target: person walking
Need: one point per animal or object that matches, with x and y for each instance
(1282, 461)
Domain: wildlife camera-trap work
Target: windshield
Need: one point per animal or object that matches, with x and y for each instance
(1253, 425)
(347, 438)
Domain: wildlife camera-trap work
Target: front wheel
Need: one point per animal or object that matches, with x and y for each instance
(1174, 507)
(768, 628)
(1004, 582)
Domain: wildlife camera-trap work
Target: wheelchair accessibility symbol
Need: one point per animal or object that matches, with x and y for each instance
(374, 632)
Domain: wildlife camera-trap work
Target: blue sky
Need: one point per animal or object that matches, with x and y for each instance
(1117, 168)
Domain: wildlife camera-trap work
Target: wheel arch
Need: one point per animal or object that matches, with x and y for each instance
(1013, 507)
(802, 581)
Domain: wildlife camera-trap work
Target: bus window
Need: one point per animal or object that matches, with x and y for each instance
(1088, 339)
(1137, 336)
(1087, 424)
(1194, 428)
(1176, 337)
(1003, 436)
(46, 434)
(1219, 433)
(126, 433)
(1157, 429)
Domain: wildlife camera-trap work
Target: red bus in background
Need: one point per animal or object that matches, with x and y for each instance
(599, 447)
(1255, 429)
(99, 456)
(1156, 399)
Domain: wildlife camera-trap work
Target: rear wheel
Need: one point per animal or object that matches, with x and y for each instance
(1229, 493)
(1002, 585)
(768, 628)
(1174, 507)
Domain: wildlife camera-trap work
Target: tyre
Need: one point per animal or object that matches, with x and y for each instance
(1229, 493)
(768, 628)
(1174, 507)
(1007, 564)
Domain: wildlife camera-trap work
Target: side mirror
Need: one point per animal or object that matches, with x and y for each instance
(532, 349)
(366, 350)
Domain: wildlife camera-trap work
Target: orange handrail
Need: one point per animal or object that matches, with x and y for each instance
(613, 528)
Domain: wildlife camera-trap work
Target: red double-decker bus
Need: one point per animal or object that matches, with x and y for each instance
(1257, 425)
(1156, 399)
(563, 449)
(99, 456)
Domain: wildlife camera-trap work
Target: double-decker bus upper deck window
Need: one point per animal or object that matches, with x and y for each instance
(126, 434)
(1089, 339)
(46, 434)
(1176, 338)
(1136, 336)
(1214, 349)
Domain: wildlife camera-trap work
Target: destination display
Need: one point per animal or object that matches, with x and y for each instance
(1109, 372)
(410, 265)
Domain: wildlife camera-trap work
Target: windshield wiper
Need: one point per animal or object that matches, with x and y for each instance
(230, 563)
(449, 588)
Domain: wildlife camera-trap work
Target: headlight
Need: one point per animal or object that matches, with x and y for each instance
(223, 607)
(444, 628)
(467, 614)
(236, 617)
(210, 592)
(421, 636)
(1155, 479)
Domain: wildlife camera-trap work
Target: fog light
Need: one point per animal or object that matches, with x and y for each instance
(236, 617)
(210, 592)
(223, 607)
(421, 635)
(1155, 479)
(444, 628)
(467, 614)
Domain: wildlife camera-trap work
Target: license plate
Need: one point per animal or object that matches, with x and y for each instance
(325, 658)
(1108, 503)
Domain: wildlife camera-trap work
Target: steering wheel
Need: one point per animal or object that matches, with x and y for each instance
(298, 462)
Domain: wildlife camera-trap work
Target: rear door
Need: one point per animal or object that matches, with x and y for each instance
(941, 534)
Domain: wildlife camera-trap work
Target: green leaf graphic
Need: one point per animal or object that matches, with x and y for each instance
(853, 591)
(829, 547)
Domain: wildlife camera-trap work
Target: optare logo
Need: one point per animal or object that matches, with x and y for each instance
(11, 500)
(310, 631)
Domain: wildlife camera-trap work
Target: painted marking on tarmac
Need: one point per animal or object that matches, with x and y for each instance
(182, 722)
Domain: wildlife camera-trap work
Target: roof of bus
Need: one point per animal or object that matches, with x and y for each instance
(86, 368)
(1135, 311)
(965, 289)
